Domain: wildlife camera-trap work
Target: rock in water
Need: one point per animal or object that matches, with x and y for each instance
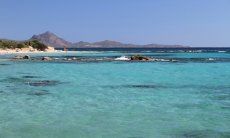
(140, 58)
(22, 57)
(18, 57)
(46, 58)
(44, 83)
(26, 57)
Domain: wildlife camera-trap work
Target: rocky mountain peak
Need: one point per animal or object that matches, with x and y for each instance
(51, 39)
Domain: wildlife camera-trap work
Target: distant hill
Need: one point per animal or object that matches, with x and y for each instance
(101, 44)
(114, 44)
(53, 40)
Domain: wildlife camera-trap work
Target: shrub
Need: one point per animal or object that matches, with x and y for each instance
(38, 45)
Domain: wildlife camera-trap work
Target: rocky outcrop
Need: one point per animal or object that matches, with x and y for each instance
(26, 57)
(140, 58)
(22, 57)
(46, 58)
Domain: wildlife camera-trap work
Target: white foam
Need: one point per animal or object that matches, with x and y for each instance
(211, 59)
(122, 58)
(221, 51)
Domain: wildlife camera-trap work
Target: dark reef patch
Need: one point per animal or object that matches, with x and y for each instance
(221, 97)
(136, 137)
(43, 83)
(39, 93)
(29, 80)
(208, 89)
(189, 105)
(138, 86)
(4, 64)
(225, 107)
(13, 80)
(202, 134)
(30, 77)
(24, 73)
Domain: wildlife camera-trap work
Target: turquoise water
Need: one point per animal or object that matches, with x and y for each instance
(115, 99)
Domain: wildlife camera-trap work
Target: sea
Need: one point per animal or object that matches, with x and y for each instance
(86, 93)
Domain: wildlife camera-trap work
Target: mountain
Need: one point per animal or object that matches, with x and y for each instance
(163, 46)
(114, 44)
(107, 43)
(101, 44)
(51, 39)
(81, 44)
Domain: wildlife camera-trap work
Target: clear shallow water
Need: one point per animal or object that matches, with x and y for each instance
(115, 99)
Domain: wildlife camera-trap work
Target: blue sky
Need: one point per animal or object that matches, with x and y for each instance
(188, 22)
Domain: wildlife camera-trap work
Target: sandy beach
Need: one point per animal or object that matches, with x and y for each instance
(26, 50)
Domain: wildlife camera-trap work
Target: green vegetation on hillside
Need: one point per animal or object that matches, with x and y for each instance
(10, 44)
(36, 44)
(4, 44)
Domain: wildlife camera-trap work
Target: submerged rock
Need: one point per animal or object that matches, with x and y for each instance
(140, 58)
(13, 80)
(139, 86)
(22, 57)
(46, 58)
(39, 93)
(203, 134)
(30, 77)
(4, 64)
(18, 57)
(28, 80)
(26, 57)
(44, 83)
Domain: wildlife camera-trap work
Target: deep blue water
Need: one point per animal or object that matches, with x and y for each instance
(186, 93)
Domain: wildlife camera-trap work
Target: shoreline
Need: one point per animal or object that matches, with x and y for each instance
(27, 51)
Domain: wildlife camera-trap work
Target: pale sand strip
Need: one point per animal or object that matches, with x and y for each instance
(26, 50)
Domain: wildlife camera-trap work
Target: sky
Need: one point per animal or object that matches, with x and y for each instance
(198, 23)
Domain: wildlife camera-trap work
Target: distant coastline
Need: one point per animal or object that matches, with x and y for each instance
(52, 39)
(50, 42)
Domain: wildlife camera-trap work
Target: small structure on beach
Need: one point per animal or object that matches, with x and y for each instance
(65, 49)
